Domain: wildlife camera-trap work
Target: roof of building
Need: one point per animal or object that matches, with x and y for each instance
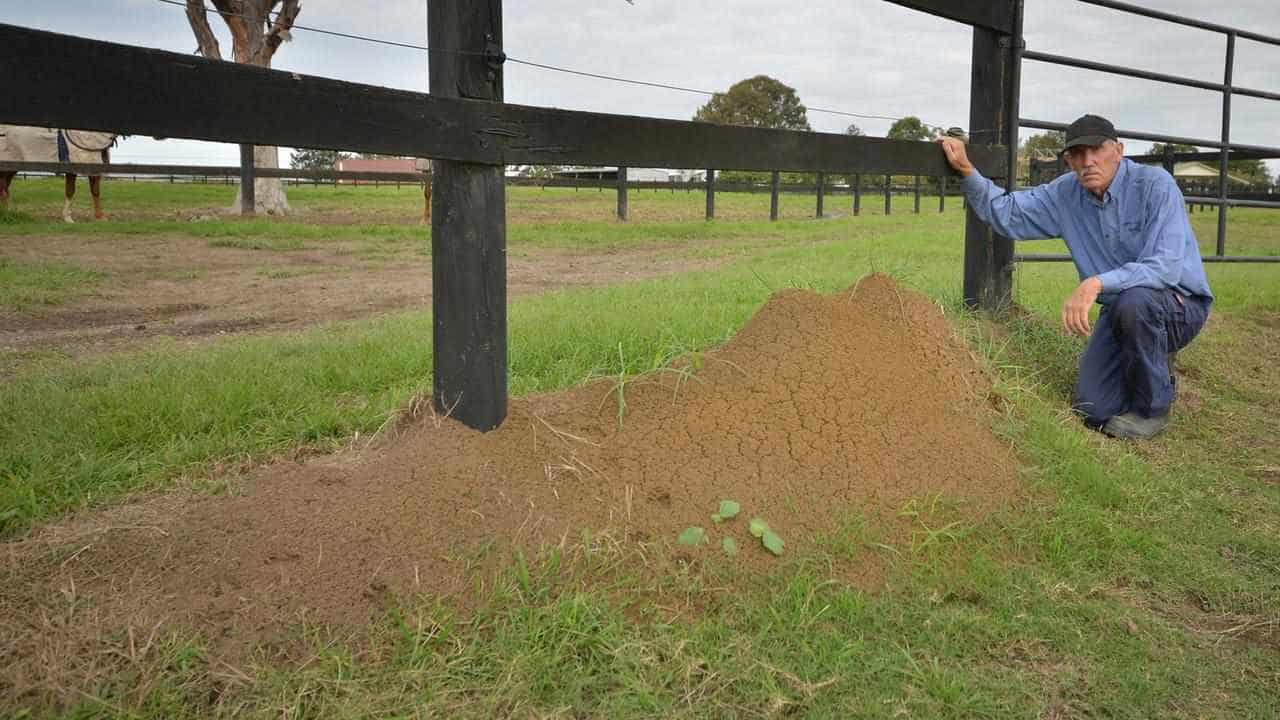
(387, 165)
(1199, 170)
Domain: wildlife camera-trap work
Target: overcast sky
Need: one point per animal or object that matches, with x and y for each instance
(859, 56)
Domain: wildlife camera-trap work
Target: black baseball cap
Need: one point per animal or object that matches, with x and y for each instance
(1090, 130)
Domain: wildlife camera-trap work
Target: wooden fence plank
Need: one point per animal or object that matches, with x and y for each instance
(711, 194)
(980, 13)
(988, 257)
(622, 194)
(775, 182)
(248, 198)
(119, 88)
(468, 229)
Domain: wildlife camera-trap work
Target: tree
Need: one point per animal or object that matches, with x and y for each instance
(760, 101)
(1255, 171)
(1158, 148)
(910, 128)
(315, 159)
(854, 130)
(255, 38)
(1045, 143)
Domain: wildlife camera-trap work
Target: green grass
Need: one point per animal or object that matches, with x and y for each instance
(258, 243)
(1141, 581)
(24, 286)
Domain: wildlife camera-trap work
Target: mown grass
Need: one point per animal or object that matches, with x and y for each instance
(1142, 581)
(24, 285)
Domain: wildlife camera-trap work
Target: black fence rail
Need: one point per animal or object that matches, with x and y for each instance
(471, 135)
(852, 186)
(1227, 150)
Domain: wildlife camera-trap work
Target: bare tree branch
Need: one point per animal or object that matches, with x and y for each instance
(236, 14)
(205, 40)
(280, 31)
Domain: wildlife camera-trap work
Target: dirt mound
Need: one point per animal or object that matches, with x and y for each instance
(822, 408)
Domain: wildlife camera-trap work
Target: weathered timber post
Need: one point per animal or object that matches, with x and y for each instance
(622, 194)
(775, 183)
(857, 193)
(248, 203)
(993, 120)
(711, 194)
(822, 182)
(888, 194)
(917, 210)
(468, 226)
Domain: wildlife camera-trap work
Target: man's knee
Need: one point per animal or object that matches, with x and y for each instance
(1134, 308)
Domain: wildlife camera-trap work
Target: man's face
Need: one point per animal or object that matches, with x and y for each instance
(1096, 165)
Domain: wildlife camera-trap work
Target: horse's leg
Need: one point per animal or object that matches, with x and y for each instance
(71, 192)
(95, 189)
(5, 179)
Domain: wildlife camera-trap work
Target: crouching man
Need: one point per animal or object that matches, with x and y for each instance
(1136, 255)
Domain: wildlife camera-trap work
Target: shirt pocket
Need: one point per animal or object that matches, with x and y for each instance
(1132, 232)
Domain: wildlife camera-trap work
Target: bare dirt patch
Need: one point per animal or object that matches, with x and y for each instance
(861, 404)
(181, 287)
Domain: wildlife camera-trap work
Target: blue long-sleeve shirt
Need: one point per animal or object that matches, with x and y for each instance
(1137, 235)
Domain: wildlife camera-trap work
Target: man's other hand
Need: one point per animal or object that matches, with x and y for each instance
(956, 155)
(1075, 311)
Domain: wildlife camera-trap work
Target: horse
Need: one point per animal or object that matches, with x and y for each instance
(20, 143)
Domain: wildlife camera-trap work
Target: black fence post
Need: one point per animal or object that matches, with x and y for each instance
(711, 194)
(857, 194)
(888, 194)
(248, 202)
(993, 120)
(775, 182)
(622, 194)
(468, 227)
(942, 194)
(917, 209)
(822, 182)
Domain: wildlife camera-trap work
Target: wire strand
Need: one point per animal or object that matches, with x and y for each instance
(545, 66)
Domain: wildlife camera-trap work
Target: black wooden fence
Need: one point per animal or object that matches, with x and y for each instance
(471, 134)
(853, 188)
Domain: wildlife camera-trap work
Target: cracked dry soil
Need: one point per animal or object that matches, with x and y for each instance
(822, 408)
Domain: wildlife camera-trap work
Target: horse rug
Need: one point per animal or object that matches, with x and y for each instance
(20, 143)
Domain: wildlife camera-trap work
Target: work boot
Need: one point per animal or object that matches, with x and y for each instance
(1132, 426)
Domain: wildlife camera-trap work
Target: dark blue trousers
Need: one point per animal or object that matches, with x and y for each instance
(1125, 368)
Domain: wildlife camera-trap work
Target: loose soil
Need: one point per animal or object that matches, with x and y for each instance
(856, 407)
(180, 287)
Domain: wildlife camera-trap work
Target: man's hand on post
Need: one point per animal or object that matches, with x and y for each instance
(957, 157)
(1075, 311)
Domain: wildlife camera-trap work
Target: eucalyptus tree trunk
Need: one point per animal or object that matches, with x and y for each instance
(255, 37)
